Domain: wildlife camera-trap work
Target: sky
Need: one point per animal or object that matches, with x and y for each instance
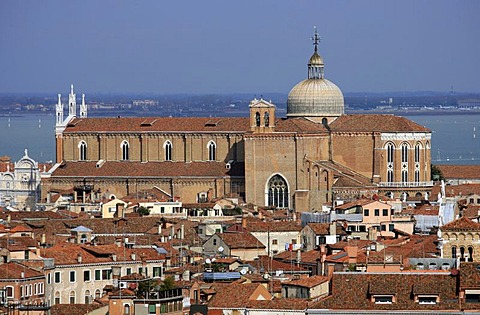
(248, 46)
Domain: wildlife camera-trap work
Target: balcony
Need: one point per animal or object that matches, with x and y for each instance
(405, 184)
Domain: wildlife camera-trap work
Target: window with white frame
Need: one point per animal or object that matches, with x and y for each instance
(212, 150)
(82, 150)
(57, 277)
(383, 299)
(125, 146)
(168, 150)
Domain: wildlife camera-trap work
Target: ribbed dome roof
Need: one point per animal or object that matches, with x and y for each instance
(315, 59)
(315, 97)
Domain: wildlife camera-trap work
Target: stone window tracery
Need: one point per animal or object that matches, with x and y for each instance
(168, 150)
(278, 192)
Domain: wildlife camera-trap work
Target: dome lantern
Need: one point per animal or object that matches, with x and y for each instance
(315, 97)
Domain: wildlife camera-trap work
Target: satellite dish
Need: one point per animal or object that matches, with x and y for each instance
(266, 276)
(243, 271)
(208, 261)
(213, 259)
(221, 249)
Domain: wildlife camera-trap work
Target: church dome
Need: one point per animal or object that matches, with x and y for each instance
(315, 96)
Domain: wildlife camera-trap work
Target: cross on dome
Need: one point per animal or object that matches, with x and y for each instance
(316, 38)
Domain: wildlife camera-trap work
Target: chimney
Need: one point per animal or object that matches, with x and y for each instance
(319, 267)
(182, 232)
(172, 231)
(79, 258)
(43, 239)
(244, 223)
(120, 210)
(299, 257)
(333, 228)
(352, 254)
(114, 257)
(133, 256)
(160, 229)
(9, 218)
(118, 242)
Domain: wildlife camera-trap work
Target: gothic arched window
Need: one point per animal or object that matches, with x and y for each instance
(404, 165)
(417, 152)
(390, 161)
(125, 150)
(278, 192)
(168, 150)
(82, 150)
(212, 150)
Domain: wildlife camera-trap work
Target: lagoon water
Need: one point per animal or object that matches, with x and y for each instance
(455, 138)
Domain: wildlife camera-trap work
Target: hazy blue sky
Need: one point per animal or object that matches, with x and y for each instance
(237, 46)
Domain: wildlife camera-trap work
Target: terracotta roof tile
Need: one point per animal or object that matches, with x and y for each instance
(13, 270)
(236, 240)
(353, 291)
(460, 171)
(470, 275)
(308, 282)
(234, 295)
(159, 124)
(462, 224)
(375, 122)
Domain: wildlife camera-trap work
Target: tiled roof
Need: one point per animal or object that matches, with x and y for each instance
(13, 270)
(462, 224)
(457, 190)
(308, 282)
(375, 122)
(279, 304)
(299, 125)
(234, 295)
(159, 124)
(320, 228)
(24, 241)
(272, 265)
(471, 211)
(424, 209)
(353, 291)
(470, 275)
(272, 226)
(236, 240)
(148, 169)
(73, 309)
(20, 228)
(460, 171)
(355, 203)
(67, 254)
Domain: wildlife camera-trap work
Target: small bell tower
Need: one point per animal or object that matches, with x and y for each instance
(262, 116)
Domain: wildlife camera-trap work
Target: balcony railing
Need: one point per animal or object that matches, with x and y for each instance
(406, 184)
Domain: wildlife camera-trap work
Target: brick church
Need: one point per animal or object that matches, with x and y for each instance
(310, 158)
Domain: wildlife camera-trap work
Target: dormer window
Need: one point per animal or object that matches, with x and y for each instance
(427, 299)
(383, 299)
